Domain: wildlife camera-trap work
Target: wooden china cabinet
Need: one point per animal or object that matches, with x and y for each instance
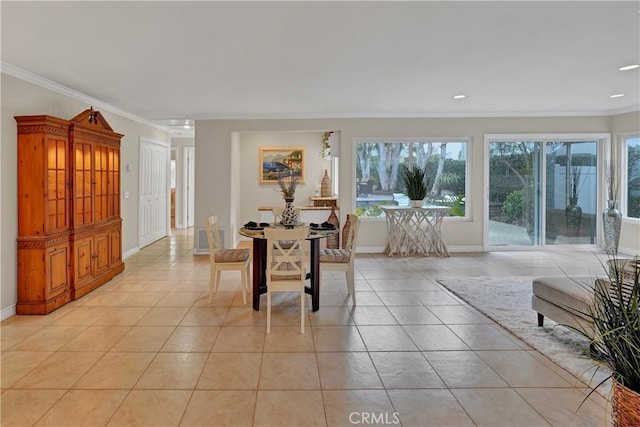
(69, 225)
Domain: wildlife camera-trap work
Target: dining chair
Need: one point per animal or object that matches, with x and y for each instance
(277, 216)
(285, 270)
(343, 259)
(222, 259)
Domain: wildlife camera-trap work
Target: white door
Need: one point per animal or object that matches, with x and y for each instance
(190, 184)
(154, 163)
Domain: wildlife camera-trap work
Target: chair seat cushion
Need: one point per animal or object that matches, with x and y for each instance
(231, 255)
(334, 255)
(287, 271)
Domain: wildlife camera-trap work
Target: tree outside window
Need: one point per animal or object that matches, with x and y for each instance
(378, 165)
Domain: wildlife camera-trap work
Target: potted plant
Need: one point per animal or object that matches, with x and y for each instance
(615, 336)
(415, 184)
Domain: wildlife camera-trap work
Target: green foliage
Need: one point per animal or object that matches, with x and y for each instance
(615, 314)
(414, 181)
(502, 186)
(512, 207)
(458, 207)
(633, 207)
(457, 168)
(448, 180)
(369, 211)
(509, 168)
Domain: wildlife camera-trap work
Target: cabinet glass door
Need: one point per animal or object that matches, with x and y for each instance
(101, 175)
(57, 218)
(113, 183)
(82, 196)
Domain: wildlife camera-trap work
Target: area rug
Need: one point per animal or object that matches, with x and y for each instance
(507, 301)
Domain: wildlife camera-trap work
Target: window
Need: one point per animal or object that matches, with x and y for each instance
(378, 165)
(543, 189)
(631, 192)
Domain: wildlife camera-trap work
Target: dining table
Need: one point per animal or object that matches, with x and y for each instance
(259, 261)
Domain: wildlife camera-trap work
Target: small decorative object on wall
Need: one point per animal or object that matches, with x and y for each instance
(281, 161)
(326, 145)
(612, 217)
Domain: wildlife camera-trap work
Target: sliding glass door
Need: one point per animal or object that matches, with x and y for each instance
(542, 192)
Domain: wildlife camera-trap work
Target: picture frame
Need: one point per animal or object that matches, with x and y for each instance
(280, 160)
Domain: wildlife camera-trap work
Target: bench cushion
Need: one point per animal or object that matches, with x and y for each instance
(572, 293)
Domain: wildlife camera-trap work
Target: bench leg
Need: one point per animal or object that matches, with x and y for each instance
(540, 320)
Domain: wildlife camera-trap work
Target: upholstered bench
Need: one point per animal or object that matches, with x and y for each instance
(563, 299)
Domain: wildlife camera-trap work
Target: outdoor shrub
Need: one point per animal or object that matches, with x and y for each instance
(512, 207)
(457, 209)
(633, 207)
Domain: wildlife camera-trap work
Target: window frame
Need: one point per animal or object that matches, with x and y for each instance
(468, 141)
(622, 153)
(603, 150)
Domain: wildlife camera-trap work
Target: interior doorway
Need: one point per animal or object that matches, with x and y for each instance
(153, 221)
(173, 173)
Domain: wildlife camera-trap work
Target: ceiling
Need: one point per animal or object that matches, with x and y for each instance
(170, 61)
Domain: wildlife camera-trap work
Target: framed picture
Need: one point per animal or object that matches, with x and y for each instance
(281, 161)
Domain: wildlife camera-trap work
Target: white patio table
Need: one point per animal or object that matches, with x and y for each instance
(414, 231)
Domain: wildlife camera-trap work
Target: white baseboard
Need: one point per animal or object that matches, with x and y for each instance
(7, 312)
(130, 252)
(370, 249)
(470, 248)
(451, 249)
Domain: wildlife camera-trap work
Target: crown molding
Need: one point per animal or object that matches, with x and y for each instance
(298, 116)
(40, 81)
(635, 109)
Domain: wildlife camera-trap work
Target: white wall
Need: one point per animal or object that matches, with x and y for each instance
(22, 98)
(255, 194)
(179, 144)
(213, 165)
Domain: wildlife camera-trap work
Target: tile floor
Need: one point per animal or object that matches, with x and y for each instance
(148, 349)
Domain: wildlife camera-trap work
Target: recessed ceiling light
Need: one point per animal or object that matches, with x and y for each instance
(459, 96)
(629, 67)
(617, 95)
